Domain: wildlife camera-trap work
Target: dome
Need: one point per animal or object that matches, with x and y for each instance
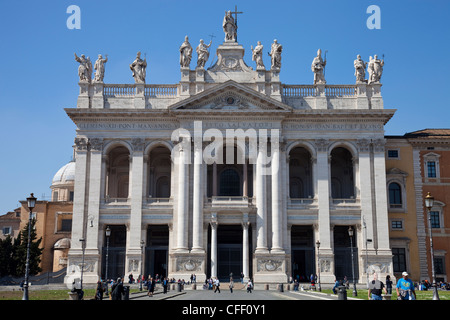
(65, 174)
(62, 244)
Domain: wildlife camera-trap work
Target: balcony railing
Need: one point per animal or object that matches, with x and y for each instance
(150, 90)
(312, 91)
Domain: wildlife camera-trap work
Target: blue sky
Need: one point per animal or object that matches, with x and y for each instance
(38, 73)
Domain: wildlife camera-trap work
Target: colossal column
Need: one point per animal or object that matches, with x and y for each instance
(197, 236)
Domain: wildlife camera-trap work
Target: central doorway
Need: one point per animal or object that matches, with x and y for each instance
(156, 252)
(229, 252)
(302, 253)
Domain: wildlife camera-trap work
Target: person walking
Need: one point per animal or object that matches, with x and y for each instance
(249, 286)
(375, 288)
(405, 288)
(150, 286)
(99, 291)
(388, 284)
(165, 284)
(117, 290)
(217, 285)
(231, 285)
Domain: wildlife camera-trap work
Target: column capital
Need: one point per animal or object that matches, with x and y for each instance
(322, 144)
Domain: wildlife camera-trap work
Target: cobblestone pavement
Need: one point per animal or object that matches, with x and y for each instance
(200, 295)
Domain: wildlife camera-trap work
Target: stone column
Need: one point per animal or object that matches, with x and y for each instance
(213, 246)
(366, 187)
(382, 227)
(197, 236)
(245, 248)
(79, 212)
(136, 185)
(277, 241)
(95, 178)
(323, 193)
(261, 214)
(245, 184)
(323, 200)
(183, 189)
(80, 196)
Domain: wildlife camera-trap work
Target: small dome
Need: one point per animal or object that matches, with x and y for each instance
(65, 174)
(62, 244)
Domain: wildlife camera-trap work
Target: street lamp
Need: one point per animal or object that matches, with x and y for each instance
(31, 203)
(318, 264)
(142, 259)
(350, 233)
(83, 248)
(108, 234)
(429, 204)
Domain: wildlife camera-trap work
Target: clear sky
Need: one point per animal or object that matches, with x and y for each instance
(38, 73)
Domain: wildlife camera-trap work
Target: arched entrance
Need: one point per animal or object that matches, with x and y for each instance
(302, 253)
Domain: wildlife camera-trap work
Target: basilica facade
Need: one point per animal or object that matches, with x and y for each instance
(230, 171)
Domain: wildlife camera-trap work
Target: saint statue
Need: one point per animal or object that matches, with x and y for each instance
(318, 66)
(229, 27)
(275, 54)
(185, 53)
(138, 68)
(375, 69)
(203, 53)
(360, 69)
(99, 67)
(85, 68)
(257, 55)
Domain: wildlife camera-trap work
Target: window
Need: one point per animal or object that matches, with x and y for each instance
(71, 196)
(6, 230)
(439, 265)
(55, 196)
(431, 165)
(396, 224)
(395, 195)
(435, 219)
(431, 169)
(393, 154)
(66, 225)
(399, 259)
(229, 183)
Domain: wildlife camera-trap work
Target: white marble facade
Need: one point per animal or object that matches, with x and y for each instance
(330, 159)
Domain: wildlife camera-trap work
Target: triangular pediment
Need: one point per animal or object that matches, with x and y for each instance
(230, 96)
(396, 171)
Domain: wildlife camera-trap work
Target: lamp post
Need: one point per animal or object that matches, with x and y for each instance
(318, 265)
(31, 203)
(142, 260)
(429, 200)
(83, 248)
(350, 233)
(108, 234)
(367, 256)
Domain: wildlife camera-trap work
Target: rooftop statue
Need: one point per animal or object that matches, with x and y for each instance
(257, 55)
(203, 54)
(99, 67)
(138, 67)
(375, 69)
(229, 27)
(275, 54)
(185, 53)
(360, 69)
(318, 67)
(85, 68)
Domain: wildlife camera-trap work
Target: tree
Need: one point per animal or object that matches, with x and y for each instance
(19, 255)
(6, 251)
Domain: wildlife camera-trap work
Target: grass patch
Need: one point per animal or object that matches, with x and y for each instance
(48, 294)
(421, 295)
